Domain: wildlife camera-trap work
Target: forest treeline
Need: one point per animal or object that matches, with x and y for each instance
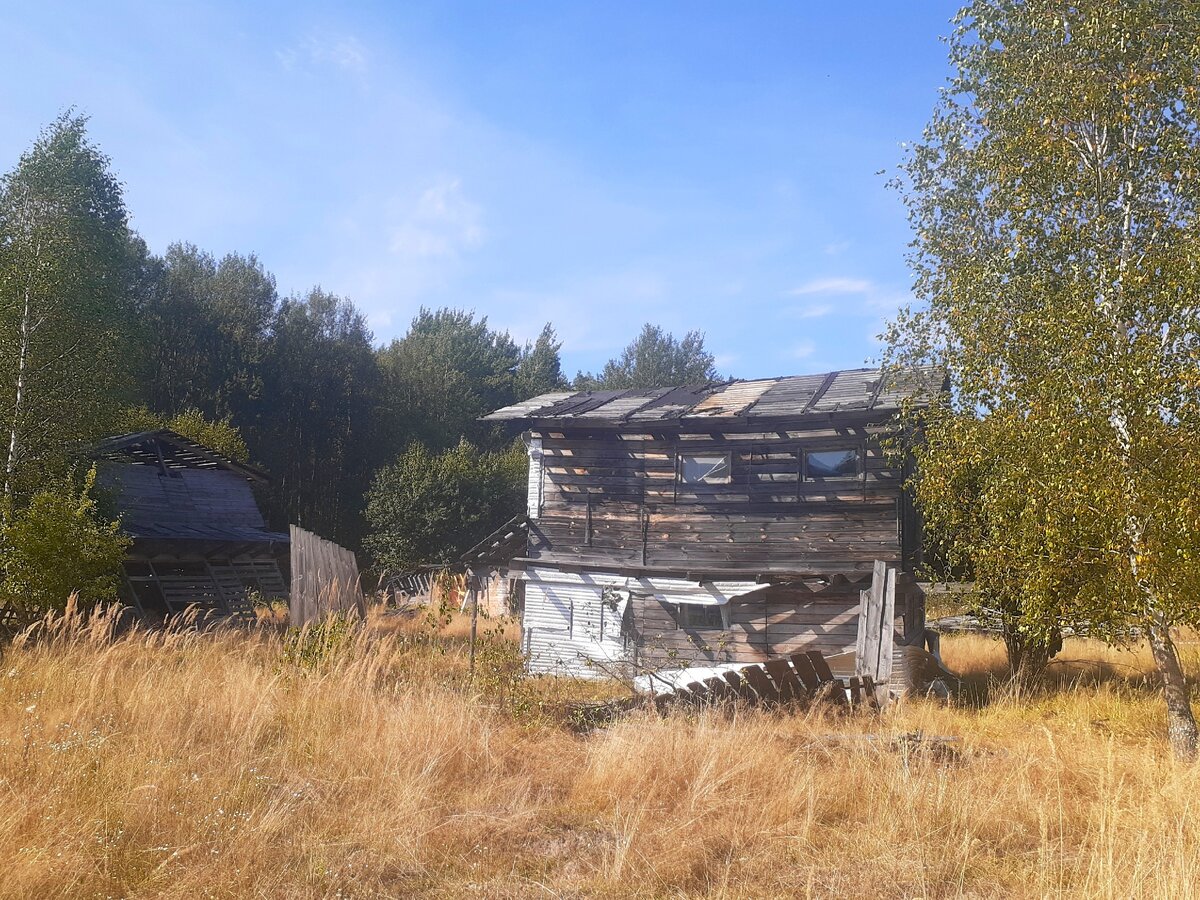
(100, 335)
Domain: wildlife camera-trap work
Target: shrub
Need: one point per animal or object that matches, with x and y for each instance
(57, 546)
(428, 508)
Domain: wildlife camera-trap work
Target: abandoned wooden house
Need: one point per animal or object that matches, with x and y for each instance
(720, 524)
(199, 537)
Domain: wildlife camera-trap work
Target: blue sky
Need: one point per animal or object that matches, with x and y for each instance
(696, 165)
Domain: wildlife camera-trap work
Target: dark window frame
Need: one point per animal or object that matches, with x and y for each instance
(685, 615)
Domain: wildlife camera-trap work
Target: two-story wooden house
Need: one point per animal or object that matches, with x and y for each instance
(725, 523)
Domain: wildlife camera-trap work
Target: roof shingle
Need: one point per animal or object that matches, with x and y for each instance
(866, 390)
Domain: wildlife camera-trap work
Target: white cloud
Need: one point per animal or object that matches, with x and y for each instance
(832, 286)
(442, 223)
(861, 299)
(804, 349)
(837, 247)
(343, 52)
(887, 302)
(814, 311)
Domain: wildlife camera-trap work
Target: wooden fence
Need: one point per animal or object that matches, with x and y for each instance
(324, 579)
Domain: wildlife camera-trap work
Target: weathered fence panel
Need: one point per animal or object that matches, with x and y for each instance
(876, 627)
(324, 579)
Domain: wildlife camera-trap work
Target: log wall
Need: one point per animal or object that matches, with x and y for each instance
(615, 497)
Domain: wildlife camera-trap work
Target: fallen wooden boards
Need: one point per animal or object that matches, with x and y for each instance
(876, 624)
(798, 679)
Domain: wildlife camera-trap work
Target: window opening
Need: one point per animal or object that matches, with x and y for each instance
(709, 468)
(821, 464)
(698, 615)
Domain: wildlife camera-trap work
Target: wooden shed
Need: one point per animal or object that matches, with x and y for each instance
(199, 537)
(714, 524)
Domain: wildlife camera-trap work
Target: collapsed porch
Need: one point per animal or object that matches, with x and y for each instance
(585, 622)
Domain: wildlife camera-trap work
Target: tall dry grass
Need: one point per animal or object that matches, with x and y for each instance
(227, 764)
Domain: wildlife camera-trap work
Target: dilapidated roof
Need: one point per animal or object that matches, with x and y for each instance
(501, 546)
(168, 487)
(848, 390)
(169, 450)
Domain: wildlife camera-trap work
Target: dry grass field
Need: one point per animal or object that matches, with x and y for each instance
(228, 764)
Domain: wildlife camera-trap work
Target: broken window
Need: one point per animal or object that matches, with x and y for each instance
(820, 464)
(698, 615)
(711, 468)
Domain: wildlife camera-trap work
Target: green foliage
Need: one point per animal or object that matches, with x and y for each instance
(654, 359)
(317, 646)
(221, 436)
(318, 433)
(539, 370)
(1054, 199)
(58, 545)
(428, 508)
(501, 679)
(64, 270)
(449, 370)
(207, 327)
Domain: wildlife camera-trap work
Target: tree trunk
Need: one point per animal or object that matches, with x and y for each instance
(1181, 723)
(14, 448)
(1028, 658)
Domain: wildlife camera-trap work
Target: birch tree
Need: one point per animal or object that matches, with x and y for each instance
(1054, 203)
(63, 243)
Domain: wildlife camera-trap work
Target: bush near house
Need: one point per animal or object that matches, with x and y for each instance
(58, 545)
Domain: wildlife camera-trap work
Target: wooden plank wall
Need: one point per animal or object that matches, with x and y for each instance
(324, 579)
(877, 627)
(614, 497)
(775, 621)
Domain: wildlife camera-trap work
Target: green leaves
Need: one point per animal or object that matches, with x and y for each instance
(449, 370)
(57, 545)
(64, 315)
(1054, 203)
(428, 508)
(655, 359)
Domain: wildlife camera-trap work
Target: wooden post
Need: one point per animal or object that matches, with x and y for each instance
(876, 629)
(883, 671)
(471, 580)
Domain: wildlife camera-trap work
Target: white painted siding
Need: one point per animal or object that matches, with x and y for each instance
(533, 446)
(566, 624)
(567, 621)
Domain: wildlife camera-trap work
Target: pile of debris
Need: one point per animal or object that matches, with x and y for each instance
(799, 680)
